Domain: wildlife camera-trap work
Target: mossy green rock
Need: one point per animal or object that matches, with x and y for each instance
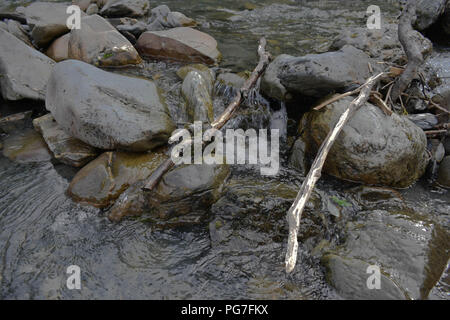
(372, 148)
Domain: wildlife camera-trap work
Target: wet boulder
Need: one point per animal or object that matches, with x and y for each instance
(315, 75)
(187, 189)
(372, 148)
(162, 18)
(59, 49)
(107, 110)
(26, 146)
(180, 44)
(100, 44)
(298, 156)
(197, 89)
(428, 12)
(444, 173)
(47, 19)
(445, 22)
(25, 71)
(125, 8)
(410, 251)
(102, 180)
(65, 148)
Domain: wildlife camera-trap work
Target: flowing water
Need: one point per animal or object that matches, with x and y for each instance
(239, 251)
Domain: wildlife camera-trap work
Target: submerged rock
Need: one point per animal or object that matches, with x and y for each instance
(47, 19)
(102, 181)
(65, 148)
(315, 75)
(411, 252)
(24, 70)
(107, 110)
(372, 148)
(162, 18)
(125, 8)
(26, 146)
(181, 44)
(100, 44)
(444, 173)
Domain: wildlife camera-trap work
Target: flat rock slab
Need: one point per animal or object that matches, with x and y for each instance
(107, 110)
(14, 122)
(65, 148)
(102, 180)
(24, 70)
(26, 146)
(180, 44)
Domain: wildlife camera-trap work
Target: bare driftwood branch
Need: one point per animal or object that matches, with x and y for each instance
(264, 59)
(296, 210)
(411, 47)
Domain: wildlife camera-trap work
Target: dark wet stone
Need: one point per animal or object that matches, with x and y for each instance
(372, 148)
(102, 181)
(297, 159)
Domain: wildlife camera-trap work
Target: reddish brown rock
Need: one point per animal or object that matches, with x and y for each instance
(180, 44)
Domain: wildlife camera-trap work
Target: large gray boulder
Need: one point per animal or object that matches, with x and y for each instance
(372, 148)
(47, 19)
(125, 8)
(315, 74)
(99, 43)
(107, 110)
(428, 12)
(24, 70)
